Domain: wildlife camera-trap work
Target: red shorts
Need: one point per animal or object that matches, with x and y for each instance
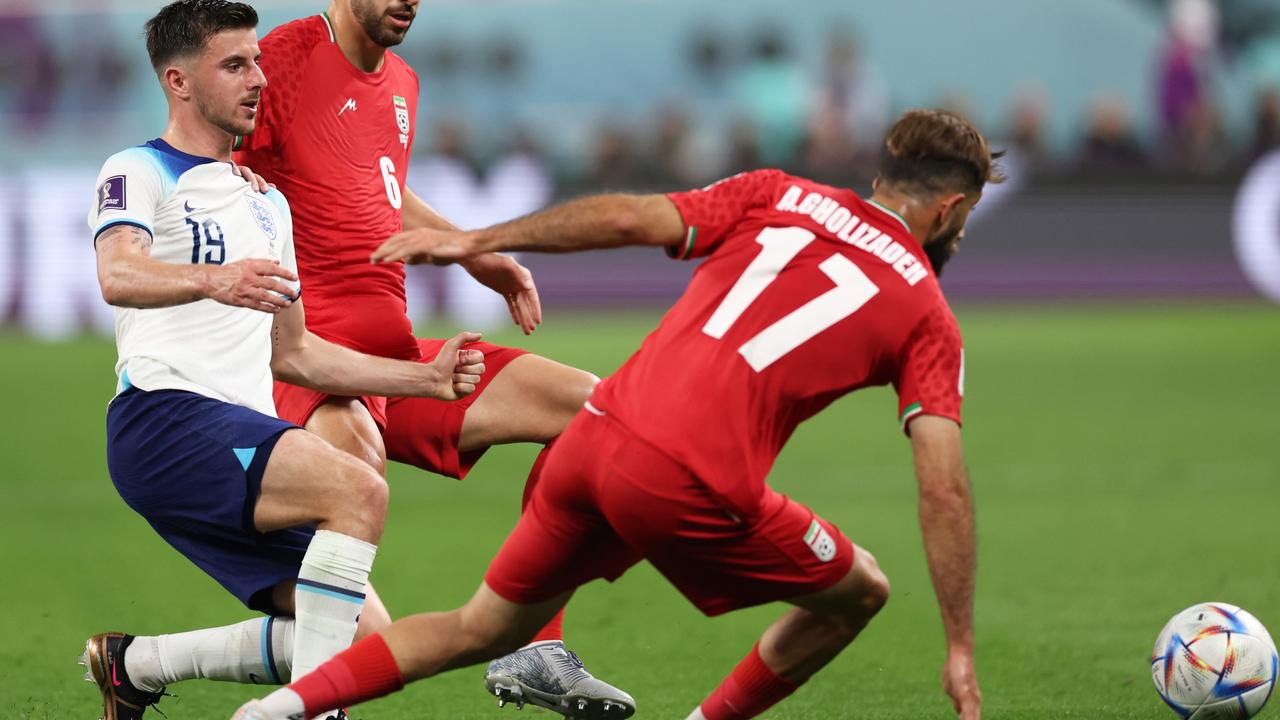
(607, 499)
(418, 431)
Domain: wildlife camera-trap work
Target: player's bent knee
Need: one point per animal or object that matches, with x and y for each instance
(576, 392)
(873, 584)
(359, 500)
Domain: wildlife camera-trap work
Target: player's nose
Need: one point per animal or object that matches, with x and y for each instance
(257, 79)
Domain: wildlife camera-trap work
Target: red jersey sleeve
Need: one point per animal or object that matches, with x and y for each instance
(285, 52)
(931, 371)
(711, 212)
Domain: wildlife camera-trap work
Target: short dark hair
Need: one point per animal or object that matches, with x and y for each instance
(935, 151)
(183, 27)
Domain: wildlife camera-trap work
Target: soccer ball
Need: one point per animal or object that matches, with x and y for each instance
(1214, 661)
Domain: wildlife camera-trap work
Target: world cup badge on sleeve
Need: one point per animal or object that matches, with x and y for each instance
(111, 194)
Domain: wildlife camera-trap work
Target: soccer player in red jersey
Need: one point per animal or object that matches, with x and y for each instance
(335, 128)
(808, 292)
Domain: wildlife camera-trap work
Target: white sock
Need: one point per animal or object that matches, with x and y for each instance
(255, 651)
(329, 597)
(283, 704)
(697, 714)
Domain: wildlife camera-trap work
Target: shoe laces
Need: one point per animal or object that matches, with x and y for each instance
(154, 702)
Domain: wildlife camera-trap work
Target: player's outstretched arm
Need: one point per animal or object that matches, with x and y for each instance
(946, 520)
(301, 358)
(130, 277)
(602, 221)
(499, 273)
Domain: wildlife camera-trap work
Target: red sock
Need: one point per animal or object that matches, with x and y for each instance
(364, 671)
(749, 690)
(553, 630)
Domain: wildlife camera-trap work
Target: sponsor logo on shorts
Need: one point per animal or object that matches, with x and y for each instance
(820, 542)
(111, 194)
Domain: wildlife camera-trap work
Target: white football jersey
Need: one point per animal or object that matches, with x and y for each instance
(198, 211)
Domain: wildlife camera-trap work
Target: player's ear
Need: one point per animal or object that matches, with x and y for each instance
(176, 81)
(948, 204)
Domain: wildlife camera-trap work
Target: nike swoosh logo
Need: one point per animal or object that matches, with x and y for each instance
(187, 206)
(114, 681)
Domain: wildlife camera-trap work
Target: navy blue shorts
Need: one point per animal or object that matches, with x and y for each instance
(192, 466)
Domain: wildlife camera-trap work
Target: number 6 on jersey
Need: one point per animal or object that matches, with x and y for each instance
(389, 179)
(779, 247)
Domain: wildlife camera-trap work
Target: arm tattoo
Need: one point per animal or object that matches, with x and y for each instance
(139, 238)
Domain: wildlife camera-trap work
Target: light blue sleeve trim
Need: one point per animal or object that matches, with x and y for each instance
(121, 221)
(278, 199)
(281, 202)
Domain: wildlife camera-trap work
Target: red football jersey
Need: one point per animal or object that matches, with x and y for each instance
(335, 140)
(808, 293)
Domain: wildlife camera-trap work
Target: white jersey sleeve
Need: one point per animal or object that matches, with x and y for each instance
(131, 187)
(288, 259)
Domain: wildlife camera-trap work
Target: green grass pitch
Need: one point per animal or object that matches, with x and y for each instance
(1125, 460)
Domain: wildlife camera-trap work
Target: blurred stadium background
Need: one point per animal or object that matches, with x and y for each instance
(1117, 296)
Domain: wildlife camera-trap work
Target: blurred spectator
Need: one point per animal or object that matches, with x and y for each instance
(1204, 141)
(96, 90)
(615, 162)
(829, 154)
(744, 148)
(449, 160)
(1026, 128)
(708, 57)
(505, 58)
(772, 91)
(853, 92)
(1184, 87)
(519, 181)
(30, 75)
(676, 161)
(1266, 133)
(1110, 144)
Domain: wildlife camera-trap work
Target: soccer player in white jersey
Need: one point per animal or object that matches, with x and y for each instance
(200, 267)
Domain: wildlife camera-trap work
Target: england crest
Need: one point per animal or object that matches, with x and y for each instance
(262, 215)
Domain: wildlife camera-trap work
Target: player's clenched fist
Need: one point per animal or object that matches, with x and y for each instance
(417, 247)
(458, 370)
(251, 283)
